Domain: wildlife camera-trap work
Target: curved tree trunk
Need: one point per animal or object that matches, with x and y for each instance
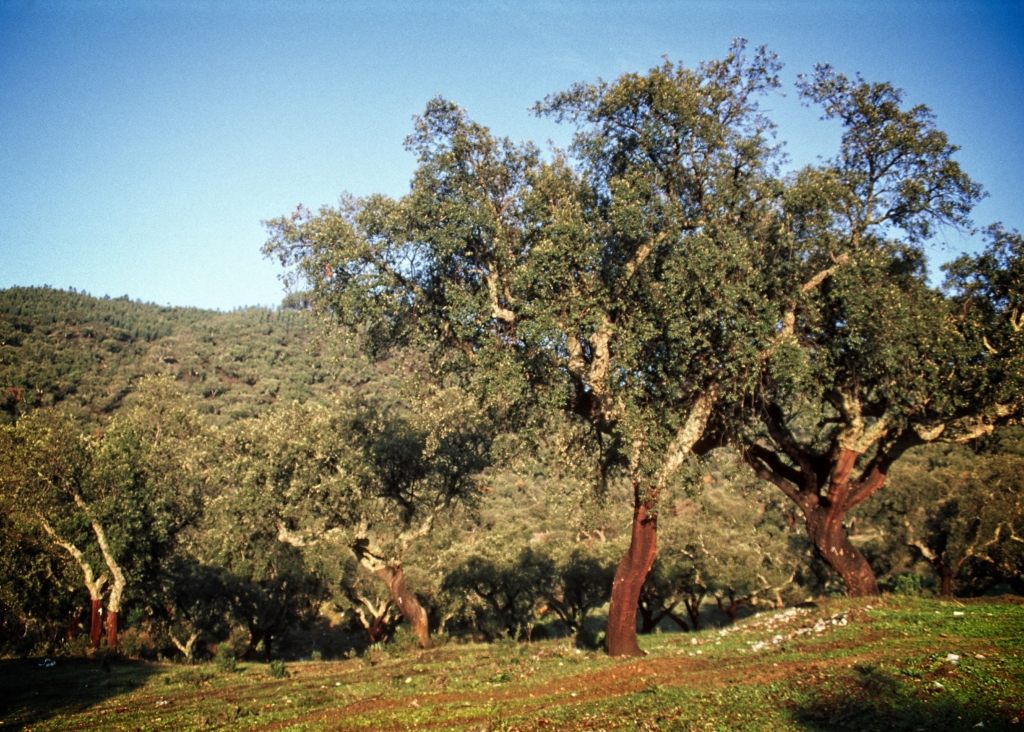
(406, 602)
(825, 528)
(629, 580)
(731, 608)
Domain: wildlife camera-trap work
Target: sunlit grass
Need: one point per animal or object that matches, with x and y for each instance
(888, 667)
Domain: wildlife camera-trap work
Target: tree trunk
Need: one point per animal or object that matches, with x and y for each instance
(73, 624)
(377, 630)
(267, 640)
(406, 602)
(945, 577)
(648, 619)
(629, 580)
(825, 528)
(255, 636)
(679, 621)
(731, 608)
(96, 623)
(111, 628)
(693, 610)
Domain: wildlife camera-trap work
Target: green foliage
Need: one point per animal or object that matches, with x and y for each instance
(952, 510)
(278, 670)
(225, 660)
(87, 354)
(907, 584)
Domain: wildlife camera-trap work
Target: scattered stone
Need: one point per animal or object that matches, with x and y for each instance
(953, 658)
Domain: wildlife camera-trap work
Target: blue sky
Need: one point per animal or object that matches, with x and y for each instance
(141, 144)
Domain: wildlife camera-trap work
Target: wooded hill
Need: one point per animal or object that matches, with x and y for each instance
(86, 353)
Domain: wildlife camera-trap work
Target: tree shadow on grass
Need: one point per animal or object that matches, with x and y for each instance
(31, 692)
(883, 712)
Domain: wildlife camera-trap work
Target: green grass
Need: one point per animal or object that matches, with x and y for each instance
(887, 668)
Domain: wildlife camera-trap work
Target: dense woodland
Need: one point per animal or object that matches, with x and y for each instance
(648, 383)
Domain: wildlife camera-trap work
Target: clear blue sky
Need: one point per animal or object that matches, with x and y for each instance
(141, 143)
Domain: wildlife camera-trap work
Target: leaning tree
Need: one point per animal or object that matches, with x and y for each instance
(626, 284)
(870, 359)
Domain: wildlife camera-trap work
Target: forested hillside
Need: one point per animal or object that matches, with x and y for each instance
(86, 354)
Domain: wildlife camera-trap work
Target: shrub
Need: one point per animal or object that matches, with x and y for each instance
(137, 643)
(194, 676)
(907, 584)
(278, 670)
(225, 660)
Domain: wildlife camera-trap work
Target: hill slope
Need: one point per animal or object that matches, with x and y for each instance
(69, 348)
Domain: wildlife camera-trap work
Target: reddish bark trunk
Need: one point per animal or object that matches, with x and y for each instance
(731, 608)
(378, 630)
(406, 602)
(825, 528)
(629, 580)
(111, 629)
(945, 577)
(96, 623)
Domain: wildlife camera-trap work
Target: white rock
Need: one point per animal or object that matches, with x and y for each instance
(952, 658)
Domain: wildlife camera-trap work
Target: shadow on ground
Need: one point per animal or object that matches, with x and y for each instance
(880, 715)
(31, 692)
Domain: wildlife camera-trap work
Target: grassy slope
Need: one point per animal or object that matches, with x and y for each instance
(886, 668)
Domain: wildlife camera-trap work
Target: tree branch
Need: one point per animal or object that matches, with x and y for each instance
(760, 462)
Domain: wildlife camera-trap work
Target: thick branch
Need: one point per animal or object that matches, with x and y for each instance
(759, 462)
(775, 421)
(94, 584)
(689, 432)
